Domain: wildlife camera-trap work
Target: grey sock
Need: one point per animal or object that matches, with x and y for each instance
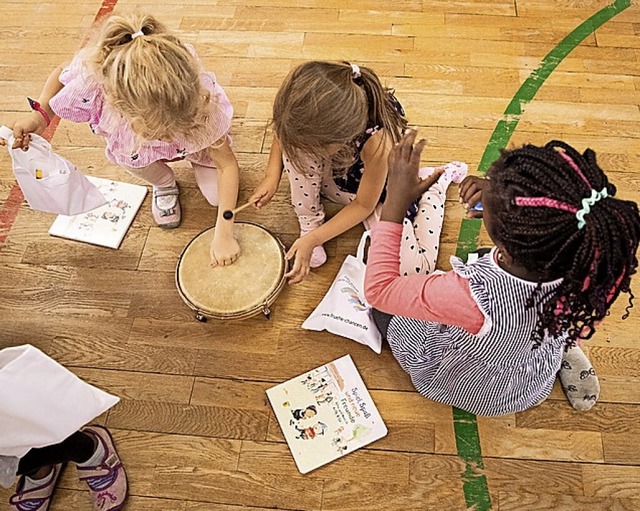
(30, 483)
(578, 379)
(96, 457)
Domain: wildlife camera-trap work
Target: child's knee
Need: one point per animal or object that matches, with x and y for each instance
(207, 180)
(158, 174)
(415, 260)
(211, 196)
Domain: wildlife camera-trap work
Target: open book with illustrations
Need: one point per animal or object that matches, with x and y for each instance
(326, 413)
(106, 225)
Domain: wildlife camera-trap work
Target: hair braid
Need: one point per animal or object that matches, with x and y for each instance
(595, 262)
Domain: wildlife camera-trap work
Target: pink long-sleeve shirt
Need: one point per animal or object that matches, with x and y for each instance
(440, 297)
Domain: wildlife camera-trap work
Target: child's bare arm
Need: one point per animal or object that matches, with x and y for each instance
(224, 247)
(374, 155)
(34, 122)
(269, 185)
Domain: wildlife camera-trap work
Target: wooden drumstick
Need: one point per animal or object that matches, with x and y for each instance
(229, 213)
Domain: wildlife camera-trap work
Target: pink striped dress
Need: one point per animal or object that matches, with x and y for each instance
(82, 99)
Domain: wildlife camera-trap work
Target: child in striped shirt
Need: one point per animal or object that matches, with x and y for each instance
(148, 96)
(490, 337)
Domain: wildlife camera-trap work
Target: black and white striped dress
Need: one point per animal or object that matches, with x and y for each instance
(495, 372)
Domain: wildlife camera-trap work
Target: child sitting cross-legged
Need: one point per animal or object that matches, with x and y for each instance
(490, 337)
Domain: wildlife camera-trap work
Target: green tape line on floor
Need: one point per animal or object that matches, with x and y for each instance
(474, 482)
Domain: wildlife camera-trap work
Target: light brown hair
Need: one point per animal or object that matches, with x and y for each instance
(152, 80)
(323, 105)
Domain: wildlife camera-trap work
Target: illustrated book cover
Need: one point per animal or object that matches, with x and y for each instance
(106, 225)
(326, 413)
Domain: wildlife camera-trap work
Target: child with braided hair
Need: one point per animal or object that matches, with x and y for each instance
(490, 337)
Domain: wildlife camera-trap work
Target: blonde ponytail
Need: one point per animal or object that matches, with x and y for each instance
(150, 78)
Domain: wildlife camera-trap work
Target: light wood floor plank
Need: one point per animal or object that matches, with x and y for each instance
(541, 502)
(194, 427)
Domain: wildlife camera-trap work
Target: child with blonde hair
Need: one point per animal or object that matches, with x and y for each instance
(335, 125)
(148, 96)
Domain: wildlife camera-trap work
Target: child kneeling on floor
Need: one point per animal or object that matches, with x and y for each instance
(149, 97)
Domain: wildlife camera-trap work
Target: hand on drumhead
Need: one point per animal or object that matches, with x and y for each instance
(224, 251)
(300, 252)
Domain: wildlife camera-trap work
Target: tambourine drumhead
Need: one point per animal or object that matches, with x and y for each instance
(239, 290)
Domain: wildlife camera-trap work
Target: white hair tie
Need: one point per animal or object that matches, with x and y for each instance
(356, 71)
(139, 33)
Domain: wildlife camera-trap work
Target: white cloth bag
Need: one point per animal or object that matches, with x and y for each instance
(343, 310)
(41, 402)
(61, 189)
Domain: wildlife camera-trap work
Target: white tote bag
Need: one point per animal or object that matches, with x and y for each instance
(343, 310)
(48, 181)
(41, 402)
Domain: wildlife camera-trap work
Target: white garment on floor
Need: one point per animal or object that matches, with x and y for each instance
(41, 402)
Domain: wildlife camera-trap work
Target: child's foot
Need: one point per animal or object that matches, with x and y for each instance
(104, 473)
(318, 257)
(454, 172)
(578, 379)
(165, 207)
(35, 494)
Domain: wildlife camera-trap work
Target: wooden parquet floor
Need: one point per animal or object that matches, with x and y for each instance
(194, 426)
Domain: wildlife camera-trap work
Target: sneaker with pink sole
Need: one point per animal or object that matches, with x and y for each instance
(38, 498)
(107, 481)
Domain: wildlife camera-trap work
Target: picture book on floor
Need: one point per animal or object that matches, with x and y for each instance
(326, 413)
(106, 225)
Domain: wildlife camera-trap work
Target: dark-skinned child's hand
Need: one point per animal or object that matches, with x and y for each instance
(404, 185)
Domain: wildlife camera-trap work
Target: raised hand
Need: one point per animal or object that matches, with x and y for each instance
(404, 185)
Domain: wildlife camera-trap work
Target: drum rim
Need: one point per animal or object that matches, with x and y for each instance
(253, 311)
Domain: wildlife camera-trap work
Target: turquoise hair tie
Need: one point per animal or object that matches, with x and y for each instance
(587, 202)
